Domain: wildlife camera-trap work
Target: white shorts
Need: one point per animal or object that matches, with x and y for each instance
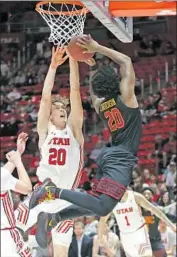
(12, 244)
(136, 244)
(62, 233)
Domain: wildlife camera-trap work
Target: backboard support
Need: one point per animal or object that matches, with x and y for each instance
(121, 27)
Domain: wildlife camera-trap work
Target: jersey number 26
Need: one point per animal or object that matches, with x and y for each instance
(115, 120)
(57, 157)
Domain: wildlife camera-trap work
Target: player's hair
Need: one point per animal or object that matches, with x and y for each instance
(148, 189)
(60, 99)
(79, 223)
(105, 82)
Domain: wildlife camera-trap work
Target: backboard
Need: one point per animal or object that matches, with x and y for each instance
(121, 27)
(117, 15)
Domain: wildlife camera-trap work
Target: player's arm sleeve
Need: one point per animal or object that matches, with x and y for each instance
(8, 182)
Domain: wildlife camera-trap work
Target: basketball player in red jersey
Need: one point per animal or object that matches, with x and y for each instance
(60, 143)
(12, 244)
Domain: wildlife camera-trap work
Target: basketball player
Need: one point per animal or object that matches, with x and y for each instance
(153, 224)
(133, 232)
(12, 245)
(117, 106)
(60, 143)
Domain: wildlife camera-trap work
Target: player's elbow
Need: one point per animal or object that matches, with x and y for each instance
(23, 188)
(28, 188)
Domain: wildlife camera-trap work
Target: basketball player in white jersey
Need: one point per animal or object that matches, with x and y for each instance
(12, 245)
(60, 143)
(133, 232)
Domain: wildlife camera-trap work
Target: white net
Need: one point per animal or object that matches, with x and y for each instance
(63, 27)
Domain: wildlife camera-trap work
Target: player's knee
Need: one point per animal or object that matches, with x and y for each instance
(106, 205)
(103, 211)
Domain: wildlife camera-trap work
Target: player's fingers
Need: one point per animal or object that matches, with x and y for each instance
(85, 39)
(59, 49)
(25, 135)
(81, 45)
(53, 50)
(91, 62)
(65, 58)
(81, 41)
(7, 157)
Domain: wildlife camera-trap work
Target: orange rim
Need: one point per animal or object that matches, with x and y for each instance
(80, 11)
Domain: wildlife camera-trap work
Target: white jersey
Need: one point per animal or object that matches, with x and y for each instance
(8, 183)
(128, 215)
(61, 158)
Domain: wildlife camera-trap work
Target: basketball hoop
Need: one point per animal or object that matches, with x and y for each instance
(65, 18)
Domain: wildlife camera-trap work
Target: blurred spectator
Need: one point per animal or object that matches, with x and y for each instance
(146, 176)
(143, 112)
(20, 79)
(4, 69)
(156, 41)
(81, 245)
(168, 238)
(10, 128)
(167, 48)
(107, 245)
(34, 114)
(47, 53)
(165, 201)
(91, 226)
(170, 178)
(136, 35)
(14, 95)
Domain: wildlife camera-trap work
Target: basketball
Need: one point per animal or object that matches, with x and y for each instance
(76, 52)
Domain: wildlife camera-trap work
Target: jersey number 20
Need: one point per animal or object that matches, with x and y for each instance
(57, 157)
(115, 120)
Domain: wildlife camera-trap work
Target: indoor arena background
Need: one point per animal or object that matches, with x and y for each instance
(25, 57)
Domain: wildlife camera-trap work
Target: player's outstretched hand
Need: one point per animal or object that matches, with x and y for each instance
(14, 157)
(57, 57)
(21, 142)
(88, 43)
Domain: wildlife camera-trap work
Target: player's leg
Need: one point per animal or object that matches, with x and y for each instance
(26, 218)
(47, 221)
(8, 246)
(158, 248)
(62, 236)
(136, 243)
(100, 205)
(114, 177)
(12, 244)
(60, 251)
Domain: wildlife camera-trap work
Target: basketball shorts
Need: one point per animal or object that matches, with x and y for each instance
(158, 248)
(136, 244)
(115, 166)
(12, 244)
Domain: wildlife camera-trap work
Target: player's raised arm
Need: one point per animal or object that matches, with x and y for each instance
(46, 101)
(141, 200)
(76, 115)
(21, 144)
(23, 184)
(127, 83)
